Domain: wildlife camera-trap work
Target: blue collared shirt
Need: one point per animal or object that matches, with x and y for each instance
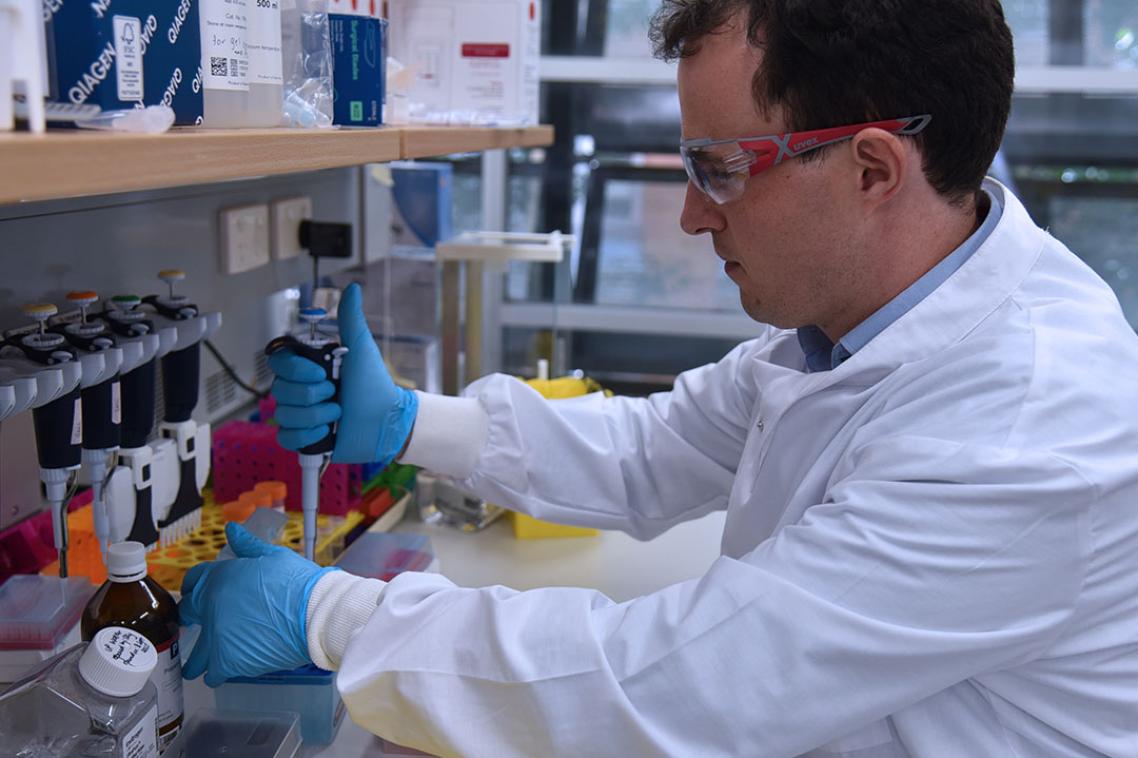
(823, 355)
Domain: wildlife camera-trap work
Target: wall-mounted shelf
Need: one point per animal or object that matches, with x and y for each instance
(72, 164)
(427, 141)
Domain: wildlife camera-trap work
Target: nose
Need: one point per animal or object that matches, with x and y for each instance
(700, 214)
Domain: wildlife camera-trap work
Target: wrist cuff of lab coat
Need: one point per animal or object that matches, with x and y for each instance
(448, 436)
(339, 606)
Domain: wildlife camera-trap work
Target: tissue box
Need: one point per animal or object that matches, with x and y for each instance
(121, 54)
(359, 65)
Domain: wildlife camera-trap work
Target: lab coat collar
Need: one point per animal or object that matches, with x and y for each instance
(953, 310)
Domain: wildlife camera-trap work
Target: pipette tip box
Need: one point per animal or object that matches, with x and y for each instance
(39, 617)
(308, 691)
(249, 734)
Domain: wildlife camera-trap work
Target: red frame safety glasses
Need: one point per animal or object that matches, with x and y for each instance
(720, 167)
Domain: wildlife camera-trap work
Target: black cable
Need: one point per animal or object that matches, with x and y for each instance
(232, 373)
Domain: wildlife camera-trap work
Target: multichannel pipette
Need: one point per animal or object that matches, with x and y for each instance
(328, 354)
(181, 369)
(130, 490)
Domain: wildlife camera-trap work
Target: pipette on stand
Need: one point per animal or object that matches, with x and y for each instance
(57, 413)
(102, 402)
(181, 369)
(329, 354)
(130, 491)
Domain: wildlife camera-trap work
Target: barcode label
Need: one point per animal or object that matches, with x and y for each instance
(219, 66)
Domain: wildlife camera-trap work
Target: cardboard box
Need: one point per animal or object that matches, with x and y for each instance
(359, 62)
(120, 54)
(474, 61)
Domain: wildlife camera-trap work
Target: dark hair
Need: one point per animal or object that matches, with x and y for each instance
(837, 62)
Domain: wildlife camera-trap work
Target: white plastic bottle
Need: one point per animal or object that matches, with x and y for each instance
(225, 62)
(241, 63)
(266, 78)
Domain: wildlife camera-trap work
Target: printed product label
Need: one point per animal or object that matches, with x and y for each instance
(128, 55)
(77, 423)
(167, 677)
(225, 36)
(265, 65)
(116, 403)
(142, 741)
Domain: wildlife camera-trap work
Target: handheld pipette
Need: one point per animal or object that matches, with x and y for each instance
(328, 354)
(58, 423)
(102, 403)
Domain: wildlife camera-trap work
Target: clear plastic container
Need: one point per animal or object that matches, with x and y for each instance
(248, 734)
(39, 618)
(383, 555)
(265, 524)
(93, 700)
(308, 691)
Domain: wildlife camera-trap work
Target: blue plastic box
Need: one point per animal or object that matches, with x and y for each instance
(121, 54)
(309, 691)
(359, 68)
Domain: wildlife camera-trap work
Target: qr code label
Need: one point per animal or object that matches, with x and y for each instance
(219, 66)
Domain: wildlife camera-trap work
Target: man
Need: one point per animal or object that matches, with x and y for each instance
(929, 460)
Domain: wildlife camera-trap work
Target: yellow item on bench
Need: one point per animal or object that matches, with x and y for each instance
(528, 527)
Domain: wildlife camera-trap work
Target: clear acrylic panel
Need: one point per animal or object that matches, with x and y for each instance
(1111, 32)
(626, 28)
(1102, 231)
(1028, 20)
(646, 259)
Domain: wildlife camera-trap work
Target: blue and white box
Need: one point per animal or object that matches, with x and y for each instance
(359, 62)
(121, 54)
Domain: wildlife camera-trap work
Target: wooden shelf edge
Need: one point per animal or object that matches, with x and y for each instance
(61, 165)
(430, 141)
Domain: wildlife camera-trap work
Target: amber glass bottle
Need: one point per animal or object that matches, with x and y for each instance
(132, 599)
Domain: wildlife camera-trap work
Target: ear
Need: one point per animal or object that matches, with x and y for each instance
(883, 162)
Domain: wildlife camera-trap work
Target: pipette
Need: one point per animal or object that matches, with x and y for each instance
(59, 423)
(102, 402)
(130, 491)
(329, 354)
(181, 369)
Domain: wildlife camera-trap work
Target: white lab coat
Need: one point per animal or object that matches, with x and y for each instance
(930, 551)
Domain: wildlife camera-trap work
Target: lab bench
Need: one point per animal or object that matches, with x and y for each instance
(612, 563)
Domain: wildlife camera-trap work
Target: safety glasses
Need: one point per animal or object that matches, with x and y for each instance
(720, 168)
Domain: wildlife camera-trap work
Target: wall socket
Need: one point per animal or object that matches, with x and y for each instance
(244, 238)
(287, 215)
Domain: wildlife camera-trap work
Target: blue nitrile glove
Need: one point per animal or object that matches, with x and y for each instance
(375, 415)
(252, 610)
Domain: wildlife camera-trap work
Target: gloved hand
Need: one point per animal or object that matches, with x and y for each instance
(375, 415)
(252, 610)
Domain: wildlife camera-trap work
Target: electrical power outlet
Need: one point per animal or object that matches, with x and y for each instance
(287, 215)
(244, 238)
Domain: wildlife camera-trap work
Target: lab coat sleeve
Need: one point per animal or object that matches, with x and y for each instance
(931, 563)
(640, 465)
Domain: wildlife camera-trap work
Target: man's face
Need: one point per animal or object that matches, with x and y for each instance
(787, 241)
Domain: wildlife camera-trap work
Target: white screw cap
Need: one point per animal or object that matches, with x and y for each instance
(126, 562)
(118, 662)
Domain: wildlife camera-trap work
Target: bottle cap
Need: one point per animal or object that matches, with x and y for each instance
(274, 489)
(126, 562)
(118, 662)
(237, 510)
(257, 498)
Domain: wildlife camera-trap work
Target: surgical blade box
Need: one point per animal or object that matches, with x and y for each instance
(121, 54)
